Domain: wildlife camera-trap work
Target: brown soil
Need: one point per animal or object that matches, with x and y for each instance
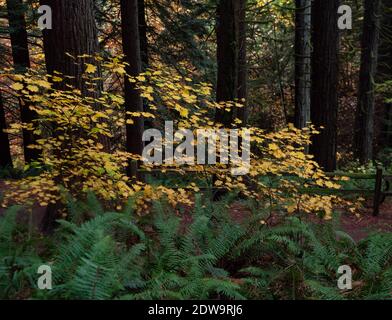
(359, 227)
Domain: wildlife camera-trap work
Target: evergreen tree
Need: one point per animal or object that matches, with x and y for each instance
(324, 93)
(364, 130)
(21, 57)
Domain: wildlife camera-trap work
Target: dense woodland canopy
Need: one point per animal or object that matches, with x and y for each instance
(76, 98)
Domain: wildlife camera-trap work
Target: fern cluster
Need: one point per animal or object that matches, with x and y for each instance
(199, 253)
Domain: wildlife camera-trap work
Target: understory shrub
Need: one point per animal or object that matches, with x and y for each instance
(200, 253)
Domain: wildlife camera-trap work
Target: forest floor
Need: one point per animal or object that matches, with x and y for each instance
(357, 227)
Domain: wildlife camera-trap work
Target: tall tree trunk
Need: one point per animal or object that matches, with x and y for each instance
(74, 32)
(303, 51)
(133, 100)
(227, 58)
(364, 128)
(148, 123)
(143, 34)
(5, 151)
(227, 28)
(21, 57)
(324, 96)
(242, 61)
(384, 70)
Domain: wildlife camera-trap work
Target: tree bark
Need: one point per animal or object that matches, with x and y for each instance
(5, 151)
(143, 34)
(74, 32)
(148, 123)
(324, 96)
(384, 70)
(21, 58)
(303, 51)
(364, 129)
(242, 78)
(227, 58)
(133, 100)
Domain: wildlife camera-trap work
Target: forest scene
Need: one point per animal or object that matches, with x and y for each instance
(196, 150)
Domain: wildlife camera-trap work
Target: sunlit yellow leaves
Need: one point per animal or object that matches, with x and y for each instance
(278, 172)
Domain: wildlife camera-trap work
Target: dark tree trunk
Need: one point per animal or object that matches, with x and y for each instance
(18, 32)
(324, 96)
(227, 58)
(384, 70)
(21, 58)
(242, 61)
(143, 34)
(74, 32)
(364, 124)
(227, 35)
(303, 51)
(148, 123)
(5, 152)
(133, 100)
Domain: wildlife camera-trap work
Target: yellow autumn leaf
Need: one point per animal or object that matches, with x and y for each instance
(32, 88)
(292, 208)
(90, 68)
(44, 84)
(184, 113)
(278, 154)
(332, 185)
(17, 86)
(218, 183)
(119, 70)
(56, 79)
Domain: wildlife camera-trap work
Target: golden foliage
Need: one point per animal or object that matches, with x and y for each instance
(70, 126)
